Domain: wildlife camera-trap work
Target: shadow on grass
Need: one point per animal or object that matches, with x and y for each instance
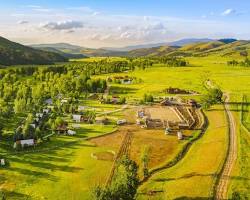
(186, 176)
(10, 195)
(34, 173)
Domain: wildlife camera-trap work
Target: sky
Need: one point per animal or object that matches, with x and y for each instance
(118, 23)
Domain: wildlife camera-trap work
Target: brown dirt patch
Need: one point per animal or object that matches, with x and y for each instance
(162, 112)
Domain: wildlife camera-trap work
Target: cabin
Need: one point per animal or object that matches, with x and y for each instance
(121, 122)
(101, 120)
(70, 132)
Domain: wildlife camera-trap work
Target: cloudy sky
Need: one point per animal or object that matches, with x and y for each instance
(113, 23)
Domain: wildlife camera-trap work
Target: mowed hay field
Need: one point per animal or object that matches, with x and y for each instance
(193, 176)
(162, 148)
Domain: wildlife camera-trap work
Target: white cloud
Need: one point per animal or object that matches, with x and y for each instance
(33, 6)
(228, 12)
(62, 25)
(23, 22)
(42, 10)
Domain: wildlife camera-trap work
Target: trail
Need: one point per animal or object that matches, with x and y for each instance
(223, 183)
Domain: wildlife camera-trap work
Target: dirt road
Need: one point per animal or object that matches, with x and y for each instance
(222, 187)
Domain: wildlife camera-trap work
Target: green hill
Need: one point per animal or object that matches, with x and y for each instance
(12, 53)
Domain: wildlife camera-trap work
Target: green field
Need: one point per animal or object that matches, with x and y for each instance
(64, 168)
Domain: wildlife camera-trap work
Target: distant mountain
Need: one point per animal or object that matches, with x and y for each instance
(63, 47)
(12, 53)
(66, 55)
(181, 42)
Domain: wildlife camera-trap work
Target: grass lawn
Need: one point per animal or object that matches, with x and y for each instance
(193, 176)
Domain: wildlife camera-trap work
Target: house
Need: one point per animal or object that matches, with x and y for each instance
(2, 162)
(70, 132)
(121, 121)
(77, 118)
(23, 143)
(101, 120)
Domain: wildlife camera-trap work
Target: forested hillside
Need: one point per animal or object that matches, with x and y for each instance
(12, 53)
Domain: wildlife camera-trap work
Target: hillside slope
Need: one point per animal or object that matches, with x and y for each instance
(12, 53)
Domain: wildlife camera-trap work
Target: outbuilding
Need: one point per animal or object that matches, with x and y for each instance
(179, 135)
(2, 162)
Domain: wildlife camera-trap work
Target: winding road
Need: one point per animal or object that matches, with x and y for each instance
(223, 183)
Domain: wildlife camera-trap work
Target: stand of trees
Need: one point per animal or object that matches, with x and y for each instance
(123, 185)
(245, 63)
(213, 96)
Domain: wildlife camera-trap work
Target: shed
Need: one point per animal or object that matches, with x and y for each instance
(179, 135)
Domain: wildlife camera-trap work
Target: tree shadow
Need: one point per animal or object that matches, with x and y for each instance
(10, 195)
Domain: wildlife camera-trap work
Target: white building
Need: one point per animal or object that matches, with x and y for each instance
(77, 118)
(29, 142)
(2, 162)
(70, 132)
(179, 135)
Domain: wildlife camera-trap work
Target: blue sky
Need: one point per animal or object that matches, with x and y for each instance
(99, 23)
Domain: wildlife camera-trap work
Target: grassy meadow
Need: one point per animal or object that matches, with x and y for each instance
(68, 172)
